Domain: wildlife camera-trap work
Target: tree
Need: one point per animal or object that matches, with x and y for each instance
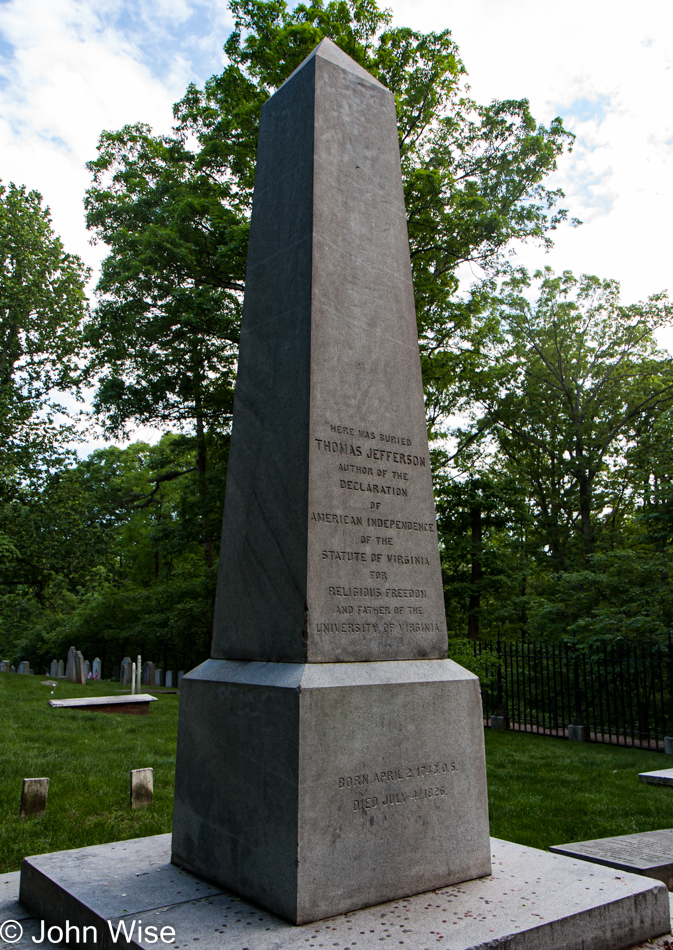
(42, 306)
(174, 209)
(568, 386)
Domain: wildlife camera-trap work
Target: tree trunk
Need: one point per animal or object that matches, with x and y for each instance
(476, 574)
(201, 462)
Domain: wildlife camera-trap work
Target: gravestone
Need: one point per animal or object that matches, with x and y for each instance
(181, 673)
(4, 666)
(24, 666)
(169, 679)
(53, 669)
(87, 669)
(649, 853)
(70, 666)
(60, 669)
(329, 756)
(147, 674)
(158, 677)
(142, 787)
(33, 797)
(12, 669)
(79, 668)
(126, 673)
(96, 669)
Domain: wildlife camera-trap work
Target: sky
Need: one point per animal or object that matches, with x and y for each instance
(72, 68)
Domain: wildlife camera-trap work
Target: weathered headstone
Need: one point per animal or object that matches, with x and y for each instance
(649, 853)
(53, 669)
(60, 669)
(159, 677)
(34, 797)
(142, 787)
(87, 669)
(79, 668)
(147, 674)
(126, 673)
(70, 666)
(4, 666)
(24, 666)
(169, 679)
(96, 669)
(12, 669)
(137, 680)
(578, 733)
(181, 673)
(329, 756)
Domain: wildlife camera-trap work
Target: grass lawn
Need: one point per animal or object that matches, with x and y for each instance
(87, 757)
(542, 791)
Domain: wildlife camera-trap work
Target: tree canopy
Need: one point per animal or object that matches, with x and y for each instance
(549, 403)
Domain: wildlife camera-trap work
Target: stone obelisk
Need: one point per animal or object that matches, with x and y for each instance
(329, 756)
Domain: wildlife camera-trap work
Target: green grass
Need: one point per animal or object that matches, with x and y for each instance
(542, 791)
(87, 757)
(545, 791)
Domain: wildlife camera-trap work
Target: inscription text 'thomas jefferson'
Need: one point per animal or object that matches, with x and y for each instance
(371, 452)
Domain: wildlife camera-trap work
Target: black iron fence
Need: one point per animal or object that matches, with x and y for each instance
(619, 693)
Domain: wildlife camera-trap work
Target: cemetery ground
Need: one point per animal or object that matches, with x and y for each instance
(542, 791)
(88, 757)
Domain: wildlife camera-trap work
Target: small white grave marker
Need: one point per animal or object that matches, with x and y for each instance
(34, 797)
(142, 787)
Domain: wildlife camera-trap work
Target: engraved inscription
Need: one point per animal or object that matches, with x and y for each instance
(416, 789)
(368, 579)
(381, 455)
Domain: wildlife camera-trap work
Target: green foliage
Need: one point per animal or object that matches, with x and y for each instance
(109, 556)
(42, 306)
(174, 209)
(569, 434)
(556, 508)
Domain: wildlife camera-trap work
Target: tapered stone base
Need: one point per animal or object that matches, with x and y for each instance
(318, 789)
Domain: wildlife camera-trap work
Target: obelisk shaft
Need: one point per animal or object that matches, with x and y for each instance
(329, 548)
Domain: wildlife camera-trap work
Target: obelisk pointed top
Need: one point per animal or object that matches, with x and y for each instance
(329, 51)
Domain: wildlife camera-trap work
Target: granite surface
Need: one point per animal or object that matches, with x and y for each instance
(329, 544)
(338, 785)
(649, 853)
(533, 900)
(658, 777)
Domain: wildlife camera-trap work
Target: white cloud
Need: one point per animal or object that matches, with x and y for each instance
(71, 68)
(607, 69)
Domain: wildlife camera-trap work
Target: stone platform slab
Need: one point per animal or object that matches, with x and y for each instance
(137, 704)
(658, 777)
(533, 900)
(649, 853)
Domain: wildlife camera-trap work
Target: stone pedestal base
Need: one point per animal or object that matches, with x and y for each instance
(318, 789)
(533, 901)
